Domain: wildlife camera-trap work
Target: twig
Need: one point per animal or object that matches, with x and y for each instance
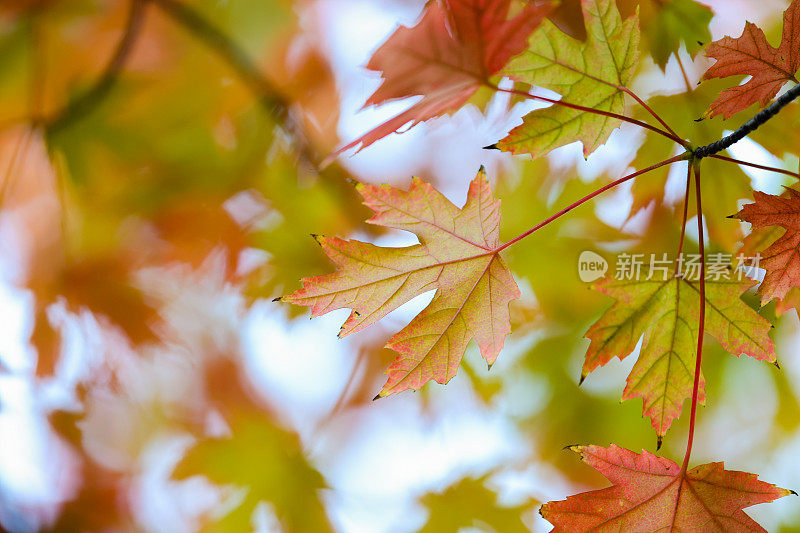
(269, 97)
(84, 103)
(751, 125)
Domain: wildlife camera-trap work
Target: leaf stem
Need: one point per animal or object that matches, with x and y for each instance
(601, 190)
(652, 112)
(689, 87)
(623, 89)
(577, 107)
(762, 167)
(685, 210)
(702, 285)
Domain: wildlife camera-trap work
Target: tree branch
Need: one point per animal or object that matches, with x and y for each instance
(84, 103)
(269, 97)
(751, 125)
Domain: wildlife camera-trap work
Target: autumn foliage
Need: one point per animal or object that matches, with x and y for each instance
(166, 160)
(458, 250)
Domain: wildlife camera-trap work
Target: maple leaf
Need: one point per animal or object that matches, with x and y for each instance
(265, 461)
(781, 259)
(752, 55)
(588, 74)
(666, 312)
(651, 493)
(268, 460)
(756, 242)
(469, 504)
(458, 255)
(676, 21)
(446, 57)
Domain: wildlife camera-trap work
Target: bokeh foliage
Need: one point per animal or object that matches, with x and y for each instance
(186, 162)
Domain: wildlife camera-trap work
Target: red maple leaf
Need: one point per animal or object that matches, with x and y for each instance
(446, 57)
(752, 55)
(781, 259)
(651, 493)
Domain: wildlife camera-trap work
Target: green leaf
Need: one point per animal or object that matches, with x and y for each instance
(469, 504)
(666, 310)
(268, 462)
(675, 22)
(587, 74)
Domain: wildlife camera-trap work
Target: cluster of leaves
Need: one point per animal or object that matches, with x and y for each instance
(459, 46)
(115, 175)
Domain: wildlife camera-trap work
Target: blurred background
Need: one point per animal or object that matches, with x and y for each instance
(160, 179)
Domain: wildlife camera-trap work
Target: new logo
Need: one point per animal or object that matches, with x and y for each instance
(591, 266)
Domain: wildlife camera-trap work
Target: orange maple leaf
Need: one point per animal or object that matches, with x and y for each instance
(446, 57)
(458, 255)
(651, 493)
(752, 55)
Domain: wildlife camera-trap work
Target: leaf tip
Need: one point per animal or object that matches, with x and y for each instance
(377, 397)
(490, 147)
(582, 379)
(278, 299)
(659, 441)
